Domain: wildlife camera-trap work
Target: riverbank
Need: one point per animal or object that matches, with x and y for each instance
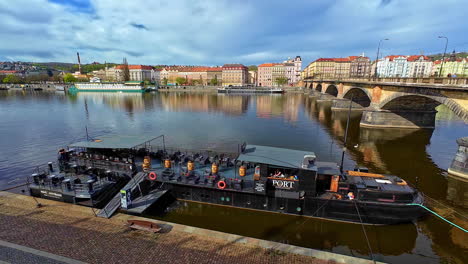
(74, 232)
(213, 89)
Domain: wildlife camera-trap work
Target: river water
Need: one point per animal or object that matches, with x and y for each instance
(33, 125)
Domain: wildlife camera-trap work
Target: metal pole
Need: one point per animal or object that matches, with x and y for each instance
(346, 133)
(443, 57)
(377, 56)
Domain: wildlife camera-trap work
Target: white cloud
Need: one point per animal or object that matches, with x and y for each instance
(219, 31)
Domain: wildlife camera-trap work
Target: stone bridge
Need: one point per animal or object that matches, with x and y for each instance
(393, 104)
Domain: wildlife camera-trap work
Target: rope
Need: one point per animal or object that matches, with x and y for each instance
(364, 231)
(436, 214)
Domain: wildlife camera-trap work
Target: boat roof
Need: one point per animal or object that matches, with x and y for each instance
(115, 142)
(288, 158)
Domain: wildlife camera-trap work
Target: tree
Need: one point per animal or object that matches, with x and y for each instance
(125, 70)
(253, 68)
(11, 78)
(180, 80)
(281, 81)
(164, 81)
(214, 81)
(69, 78)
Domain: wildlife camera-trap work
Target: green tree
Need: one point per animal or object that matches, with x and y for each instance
(11, 78)
(69, 78)
(253, 68)
(214, 81)
(281, 81)
(180, 80)
(164, 81)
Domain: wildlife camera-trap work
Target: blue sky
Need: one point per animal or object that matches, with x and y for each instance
(214, 32)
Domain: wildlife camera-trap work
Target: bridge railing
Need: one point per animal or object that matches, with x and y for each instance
(420, 80)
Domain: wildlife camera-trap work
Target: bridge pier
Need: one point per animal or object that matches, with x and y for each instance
(343, 105)
(459, 166)
(378, 118)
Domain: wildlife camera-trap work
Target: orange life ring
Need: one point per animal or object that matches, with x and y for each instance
(152, 176)
(221, 185)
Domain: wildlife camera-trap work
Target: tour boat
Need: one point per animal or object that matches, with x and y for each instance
(89, 181)
(229, 90)
(255, 177)
(108, 87)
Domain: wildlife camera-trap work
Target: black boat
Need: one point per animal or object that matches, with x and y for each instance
(87, 180)
(284, 181)
(255, 177)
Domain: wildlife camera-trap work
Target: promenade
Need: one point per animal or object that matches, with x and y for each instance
(73, 232)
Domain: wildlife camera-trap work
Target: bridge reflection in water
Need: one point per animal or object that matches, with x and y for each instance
(291, 120)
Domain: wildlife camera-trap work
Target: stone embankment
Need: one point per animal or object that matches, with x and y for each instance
(74, 232)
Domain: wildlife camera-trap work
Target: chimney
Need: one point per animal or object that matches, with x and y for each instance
(79, 62)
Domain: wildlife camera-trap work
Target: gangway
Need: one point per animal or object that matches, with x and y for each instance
(114, 204)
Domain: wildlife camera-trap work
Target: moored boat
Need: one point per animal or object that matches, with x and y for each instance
(132, 86)
(228, 90)
(255, 177)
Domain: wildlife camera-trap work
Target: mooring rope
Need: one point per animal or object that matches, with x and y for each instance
(441, 217)
(364, 231)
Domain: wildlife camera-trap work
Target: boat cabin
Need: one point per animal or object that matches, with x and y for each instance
(288, 173)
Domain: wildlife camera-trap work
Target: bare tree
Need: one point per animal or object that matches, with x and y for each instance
(125, 70)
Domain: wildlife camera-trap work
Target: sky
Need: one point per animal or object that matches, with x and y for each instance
(214, 32)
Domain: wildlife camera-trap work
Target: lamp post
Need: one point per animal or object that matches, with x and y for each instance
(377, 57)
(443, 57)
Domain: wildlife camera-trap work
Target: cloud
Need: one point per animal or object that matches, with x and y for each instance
(214, 32)
(139, 26)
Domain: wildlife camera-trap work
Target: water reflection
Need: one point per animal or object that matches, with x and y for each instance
(292, 120)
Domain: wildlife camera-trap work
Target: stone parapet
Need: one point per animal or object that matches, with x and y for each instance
(459, 166)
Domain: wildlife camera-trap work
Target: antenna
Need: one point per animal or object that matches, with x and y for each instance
(346, 133)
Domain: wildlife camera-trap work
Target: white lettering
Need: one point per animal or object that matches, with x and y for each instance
(283, 184)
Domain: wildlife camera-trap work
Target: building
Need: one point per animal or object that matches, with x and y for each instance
(393, 66)
(342, 67)
(253, 78)
(137, 72)
(215, 75)
(265, 74)
(277, 73)
(452, 66)
(419, 66)
(404, 66)
(235, 75)
(156, 76)
(360, 67)
(290, 69)
(295, 75)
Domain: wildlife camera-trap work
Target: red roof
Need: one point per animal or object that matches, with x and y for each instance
(8, 71)
(416, 57)
(135, 67)
(266, 65)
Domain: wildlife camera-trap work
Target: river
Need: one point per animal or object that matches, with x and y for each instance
(35, 124)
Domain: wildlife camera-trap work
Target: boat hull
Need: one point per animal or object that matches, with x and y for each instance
(376, 213)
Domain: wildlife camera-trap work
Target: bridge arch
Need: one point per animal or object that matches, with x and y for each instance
(318, 87)
(359, 96)
(332, 90)
(421, 102)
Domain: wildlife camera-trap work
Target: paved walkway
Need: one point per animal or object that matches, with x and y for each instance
(16, 254)
(75, 233)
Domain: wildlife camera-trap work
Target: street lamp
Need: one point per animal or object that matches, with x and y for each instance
(443, 57)
(377, 57)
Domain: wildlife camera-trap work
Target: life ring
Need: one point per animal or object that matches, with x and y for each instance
(221, 185)
(152, 176)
